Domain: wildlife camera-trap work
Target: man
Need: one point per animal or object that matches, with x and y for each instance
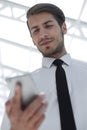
(47, 27)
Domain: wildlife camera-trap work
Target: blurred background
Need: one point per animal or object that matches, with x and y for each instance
(18, 55)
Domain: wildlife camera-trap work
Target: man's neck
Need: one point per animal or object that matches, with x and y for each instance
(57, 56)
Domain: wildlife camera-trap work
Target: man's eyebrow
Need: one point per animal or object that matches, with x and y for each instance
(49, 21)
(34, 27)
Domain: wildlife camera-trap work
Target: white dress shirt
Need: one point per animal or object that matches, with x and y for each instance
(76, 74)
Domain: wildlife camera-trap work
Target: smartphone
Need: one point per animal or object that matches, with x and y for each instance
(27, 84)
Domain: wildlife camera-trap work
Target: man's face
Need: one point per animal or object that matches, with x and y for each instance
(47, 34)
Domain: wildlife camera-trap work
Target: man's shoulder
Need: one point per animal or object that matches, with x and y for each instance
(79, 64)
(37, 72)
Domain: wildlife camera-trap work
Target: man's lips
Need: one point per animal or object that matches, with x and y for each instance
(45, 42)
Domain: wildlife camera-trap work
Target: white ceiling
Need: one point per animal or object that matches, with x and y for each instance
(71, 8)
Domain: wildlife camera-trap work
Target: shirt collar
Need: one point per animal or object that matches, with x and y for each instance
(47, 62)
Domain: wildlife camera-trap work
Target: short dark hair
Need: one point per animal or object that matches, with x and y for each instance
(49, 8)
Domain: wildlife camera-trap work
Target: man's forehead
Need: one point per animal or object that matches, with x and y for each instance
(42, 18)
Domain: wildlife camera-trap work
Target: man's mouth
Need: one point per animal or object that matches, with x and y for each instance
(47, 42)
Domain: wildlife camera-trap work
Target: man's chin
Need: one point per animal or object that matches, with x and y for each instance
(47, 54)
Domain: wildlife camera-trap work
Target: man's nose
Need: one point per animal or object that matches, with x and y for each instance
(43, 33)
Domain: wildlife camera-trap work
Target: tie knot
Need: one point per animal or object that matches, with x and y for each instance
(58, 62)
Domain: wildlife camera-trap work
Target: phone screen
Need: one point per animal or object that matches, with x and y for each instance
(28, 86)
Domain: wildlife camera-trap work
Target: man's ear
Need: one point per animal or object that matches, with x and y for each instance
(64, 28)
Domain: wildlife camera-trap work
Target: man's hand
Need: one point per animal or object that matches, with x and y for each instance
(29, 119)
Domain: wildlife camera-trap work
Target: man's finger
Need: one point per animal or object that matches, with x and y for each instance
(39, 113)
(39, 122)
(17, 97)
(8, 107)
(33, 107)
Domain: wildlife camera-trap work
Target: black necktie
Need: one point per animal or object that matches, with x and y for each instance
(65, 108)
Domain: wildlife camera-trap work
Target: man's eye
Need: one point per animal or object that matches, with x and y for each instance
(49, 26)
(35, 31)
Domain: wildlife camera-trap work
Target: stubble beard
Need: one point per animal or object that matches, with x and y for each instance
(58, 50)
